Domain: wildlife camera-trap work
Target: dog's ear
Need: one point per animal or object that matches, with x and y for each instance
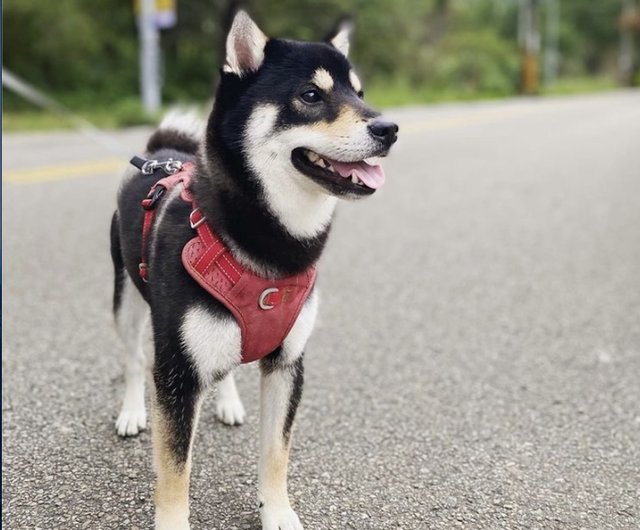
(245, 46)
(340, 35)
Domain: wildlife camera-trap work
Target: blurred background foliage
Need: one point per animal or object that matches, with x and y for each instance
(85, 53)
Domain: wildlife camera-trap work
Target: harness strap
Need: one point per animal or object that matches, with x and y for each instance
(216, 252)
(149, 204)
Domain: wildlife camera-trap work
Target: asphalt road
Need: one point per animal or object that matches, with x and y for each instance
(476, 363)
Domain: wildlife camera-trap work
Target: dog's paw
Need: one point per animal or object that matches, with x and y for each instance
(230, 410)
(171, 520)
(131, 421)
(280, 518)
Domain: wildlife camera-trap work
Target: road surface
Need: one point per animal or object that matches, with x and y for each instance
(476, 363)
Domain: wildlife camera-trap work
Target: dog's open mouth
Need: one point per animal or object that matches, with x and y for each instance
(361, 177)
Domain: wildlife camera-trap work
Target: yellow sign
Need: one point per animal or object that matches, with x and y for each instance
(164, 12)
(160, 5)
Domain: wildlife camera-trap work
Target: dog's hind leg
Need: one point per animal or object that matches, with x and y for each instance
(132, 318)
(175, 416)
(229, 408)
(131, 315)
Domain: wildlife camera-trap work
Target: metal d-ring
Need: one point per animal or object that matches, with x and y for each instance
(262, 301)
(199, 221)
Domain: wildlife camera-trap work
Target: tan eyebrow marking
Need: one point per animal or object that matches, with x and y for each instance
(323, 79)
(355, 82)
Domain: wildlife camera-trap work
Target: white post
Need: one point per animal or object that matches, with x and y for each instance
(149, 56)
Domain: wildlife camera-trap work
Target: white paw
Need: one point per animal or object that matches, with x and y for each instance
(172, 520)
(131, 421)
(230, 410)
(280, 518)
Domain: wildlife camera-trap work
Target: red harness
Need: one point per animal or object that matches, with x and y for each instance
(265, 309)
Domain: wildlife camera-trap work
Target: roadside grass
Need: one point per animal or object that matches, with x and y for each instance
(397, 94)
(580, 85)
(128, 112)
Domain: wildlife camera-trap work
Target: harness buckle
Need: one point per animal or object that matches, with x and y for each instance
(154, 196)
(195, 224)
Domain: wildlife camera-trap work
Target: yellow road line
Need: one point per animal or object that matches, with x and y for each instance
(64, 171)
(111, 165)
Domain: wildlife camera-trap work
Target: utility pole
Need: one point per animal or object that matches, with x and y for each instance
(629, 20)
(529, 38)
(552, 12)
(149, 56)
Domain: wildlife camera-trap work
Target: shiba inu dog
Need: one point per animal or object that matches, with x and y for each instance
(288, 136)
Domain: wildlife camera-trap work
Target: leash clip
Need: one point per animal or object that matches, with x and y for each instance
(171, 166)
(147, 167)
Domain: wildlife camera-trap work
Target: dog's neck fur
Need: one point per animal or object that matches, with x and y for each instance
(237, 211)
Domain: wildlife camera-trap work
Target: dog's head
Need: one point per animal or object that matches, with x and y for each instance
(292, 113)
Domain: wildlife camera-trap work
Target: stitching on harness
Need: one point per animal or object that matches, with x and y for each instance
(226, 258)
(225, 273)
(206, 251)
(214, 260)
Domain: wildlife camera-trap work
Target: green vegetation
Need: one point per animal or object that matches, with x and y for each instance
(580, 85)
(85, 54)
(125, 113)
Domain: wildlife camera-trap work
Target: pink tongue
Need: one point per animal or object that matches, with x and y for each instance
(372, 176)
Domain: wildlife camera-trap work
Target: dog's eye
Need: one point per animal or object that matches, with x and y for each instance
(361, 94)
(310, 96)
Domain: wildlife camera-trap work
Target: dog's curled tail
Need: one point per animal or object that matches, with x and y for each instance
(182, 130)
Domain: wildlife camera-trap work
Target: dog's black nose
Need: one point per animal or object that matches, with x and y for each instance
(385, 131)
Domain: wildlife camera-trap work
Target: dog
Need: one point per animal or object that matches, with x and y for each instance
(287, 138)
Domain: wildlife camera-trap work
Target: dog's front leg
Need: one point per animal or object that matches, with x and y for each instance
(280, 392)
(175, 415)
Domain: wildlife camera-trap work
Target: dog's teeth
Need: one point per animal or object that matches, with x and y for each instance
(354, 179)
(312, 156)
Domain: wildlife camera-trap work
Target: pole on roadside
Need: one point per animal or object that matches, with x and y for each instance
(629, 20)
(149, 56)
(529, 38)
(552, 12)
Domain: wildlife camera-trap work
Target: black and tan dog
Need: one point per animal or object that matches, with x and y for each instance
(288, 136)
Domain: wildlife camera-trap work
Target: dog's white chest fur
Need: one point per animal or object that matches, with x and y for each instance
(214, 343)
